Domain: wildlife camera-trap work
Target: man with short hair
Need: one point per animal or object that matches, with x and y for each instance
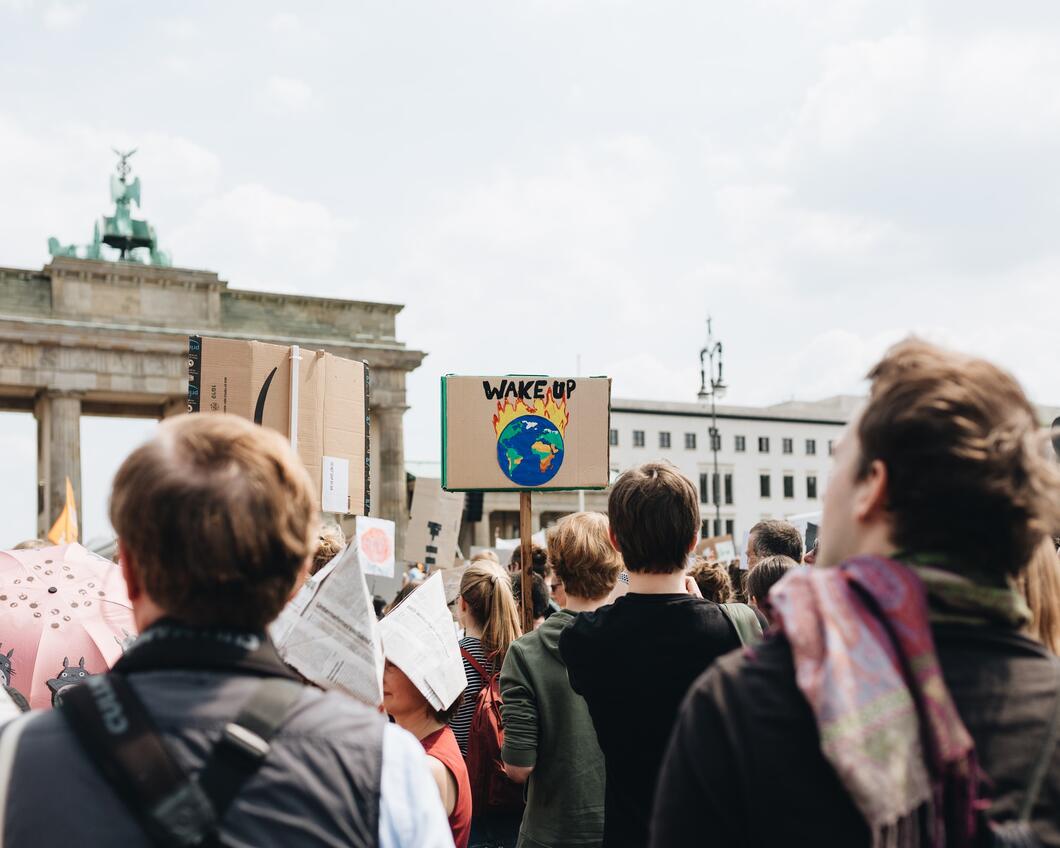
(773, 538)
(634, 660)
(897, 698)
(212, 735)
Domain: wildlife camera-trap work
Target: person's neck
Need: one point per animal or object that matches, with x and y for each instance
(421, 725)
(647, 583)
(472, 628)
(577, 604)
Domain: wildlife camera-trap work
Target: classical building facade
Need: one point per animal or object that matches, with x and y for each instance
(92, 337)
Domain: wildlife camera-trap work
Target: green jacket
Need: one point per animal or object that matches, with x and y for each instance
(547, 726)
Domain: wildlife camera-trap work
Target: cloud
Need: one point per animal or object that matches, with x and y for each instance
(287, 96)
(64, 15)
(260, 239)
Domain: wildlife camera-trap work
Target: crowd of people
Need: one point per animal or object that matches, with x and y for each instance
(895, 685)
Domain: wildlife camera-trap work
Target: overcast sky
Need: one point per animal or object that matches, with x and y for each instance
(543, 180)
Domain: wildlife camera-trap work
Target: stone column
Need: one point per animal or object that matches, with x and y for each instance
(58, 417)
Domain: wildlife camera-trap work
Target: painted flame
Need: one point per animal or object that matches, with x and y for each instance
(508, 411)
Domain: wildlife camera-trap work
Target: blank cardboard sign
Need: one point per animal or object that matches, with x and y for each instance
(253, 380)
(525, 432)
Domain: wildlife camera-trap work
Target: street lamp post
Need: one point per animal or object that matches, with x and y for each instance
(707, 358)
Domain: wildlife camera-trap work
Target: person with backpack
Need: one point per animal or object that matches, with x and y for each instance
(549, 741)
(200, 734)
(895, 700)
(488, 613)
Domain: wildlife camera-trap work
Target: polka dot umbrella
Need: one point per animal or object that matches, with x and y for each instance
(64, 615)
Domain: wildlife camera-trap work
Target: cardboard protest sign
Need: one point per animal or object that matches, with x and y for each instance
(451, 578)
(434, 527)
(329, 633)
(419, 638)
(720, 548)
(519, 433)
(374, 538)
(324, 412)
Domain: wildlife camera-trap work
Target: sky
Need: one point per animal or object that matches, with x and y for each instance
(545, 184)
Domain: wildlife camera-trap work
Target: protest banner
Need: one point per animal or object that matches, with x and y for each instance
(808, 524)
(434, 525)
(520, 433)
(451, 578)
(420, 639)
(323, 410)
(374, 538)
(329, 634)
(720, 548)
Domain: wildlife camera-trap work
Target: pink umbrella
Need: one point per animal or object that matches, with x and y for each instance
(64, 614)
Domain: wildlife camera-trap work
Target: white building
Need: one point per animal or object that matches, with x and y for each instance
(772, 462)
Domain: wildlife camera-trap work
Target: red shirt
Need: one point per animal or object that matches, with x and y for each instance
(442, 746)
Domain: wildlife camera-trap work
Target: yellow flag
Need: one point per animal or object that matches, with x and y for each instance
(65, 528)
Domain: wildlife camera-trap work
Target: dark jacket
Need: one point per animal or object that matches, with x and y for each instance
(745, 767)
(547, 726)
(633, 662)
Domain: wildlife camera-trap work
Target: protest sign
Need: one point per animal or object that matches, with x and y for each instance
(525, 433)
(808, 524)
(451, 578)
(374, 538)
(329, 633)
(434, 527)
(419, 638)
(720, 548)
(324, 412)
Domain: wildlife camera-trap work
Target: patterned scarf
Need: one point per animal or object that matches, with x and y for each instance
(865, 662)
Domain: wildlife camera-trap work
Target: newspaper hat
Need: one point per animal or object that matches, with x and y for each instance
(419, 638)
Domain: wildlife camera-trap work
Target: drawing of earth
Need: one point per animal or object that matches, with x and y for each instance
(530, 450)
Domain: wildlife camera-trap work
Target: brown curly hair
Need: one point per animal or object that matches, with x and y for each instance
(968, 475)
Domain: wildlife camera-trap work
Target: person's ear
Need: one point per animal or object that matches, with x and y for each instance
(133, 585)
(692, 544)
(870, 496)
(614, 541)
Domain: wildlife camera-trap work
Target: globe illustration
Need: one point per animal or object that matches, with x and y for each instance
(530, 450)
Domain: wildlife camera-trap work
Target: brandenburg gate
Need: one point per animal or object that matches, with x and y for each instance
(86, 336)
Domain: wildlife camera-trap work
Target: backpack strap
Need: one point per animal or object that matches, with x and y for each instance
(475, 664)
(175, 809)
(1041, 767)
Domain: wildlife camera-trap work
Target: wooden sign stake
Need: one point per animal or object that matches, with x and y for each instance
(526, 579)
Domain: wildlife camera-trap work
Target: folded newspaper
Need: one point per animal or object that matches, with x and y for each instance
(328, 632)
(420, 639)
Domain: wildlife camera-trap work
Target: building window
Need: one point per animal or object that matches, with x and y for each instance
(638, 438)
(728, 488)
(717, 527)
(714, 481)
(787, 445)
(612, 438)
(763, 444)
(703, 488)
(811, 488)
(729, 527)
(811, 447)
(690, 441)
(789, 486)
(831, 447)
(664, 439)
(763, 485)
(741, 444)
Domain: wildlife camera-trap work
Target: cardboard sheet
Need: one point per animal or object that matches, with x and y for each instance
(253, 380)
(513, 433)
(419, 638)
(434, 528)
(329, 633)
